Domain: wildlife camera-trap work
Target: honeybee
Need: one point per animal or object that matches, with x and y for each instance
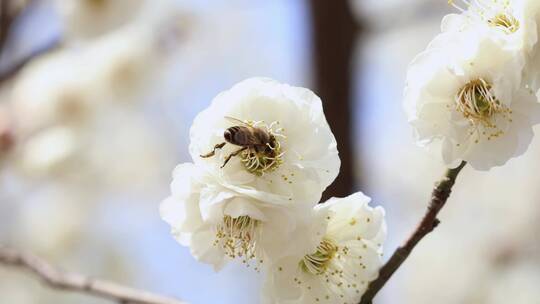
(257, 143)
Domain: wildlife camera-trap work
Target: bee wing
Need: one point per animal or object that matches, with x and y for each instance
(252, 138)
(237, 121)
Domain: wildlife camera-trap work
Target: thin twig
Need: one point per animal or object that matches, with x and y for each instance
(440, 195)
(56, 279)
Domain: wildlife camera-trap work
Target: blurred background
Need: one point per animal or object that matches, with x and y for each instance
(96, 101)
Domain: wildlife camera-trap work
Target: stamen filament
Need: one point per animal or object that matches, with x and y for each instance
(479, 105)
(238, 236)
(318, 262)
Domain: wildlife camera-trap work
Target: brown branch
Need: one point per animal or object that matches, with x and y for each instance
(9, 13)
(6, 19)
(56, 279)
(440, 195)
(334, 33)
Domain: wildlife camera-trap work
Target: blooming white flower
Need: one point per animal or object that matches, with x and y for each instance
(350, 234)
(515, 23)
(511, 21)
(470, 99)
(220, 223)
(292, 154)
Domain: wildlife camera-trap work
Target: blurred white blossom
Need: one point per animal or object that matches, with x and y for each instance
(516, 284)
(77, 88)
(56, 213)
(48, 150)
(85, 19)
(51, 90)
(350, 234)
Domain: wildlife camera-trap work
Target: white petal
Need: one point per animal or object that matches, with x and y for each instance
(172, 211)
(353, 217)
(240, 206)
(212, 200)
(279, 285)
(203, 249)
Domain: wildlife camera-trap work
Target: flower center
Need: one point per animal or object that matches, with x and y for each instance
(478, 104)
(497, 13)
(340, 269)
(505, 21)
(317, 263)
(238, 236)
(261, 159)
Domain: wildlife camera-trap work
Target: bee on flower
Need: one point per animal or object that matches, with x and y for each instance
(263, 154)
(268, 136)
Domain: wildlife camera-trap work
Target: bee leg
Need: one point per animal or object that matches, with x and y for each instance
(218, 146)
(232, 155)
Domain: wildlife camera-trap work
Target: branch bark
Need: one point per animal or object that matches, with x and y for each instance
(56, 279)
(9, 12)
(440, 195)
(334, 32)
(6, 19)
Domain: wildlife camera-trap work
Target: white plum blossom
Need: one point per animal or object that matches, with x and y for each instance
(350, 235)
(295, 156)
(511, 21)
(515, 23)
(221, 222)
(263, 154)
(465, 94)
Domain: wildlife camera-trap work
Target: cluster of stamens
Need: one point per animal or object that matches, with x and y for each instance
(317, 263)
(506, 22)
(238, 237)
(497, 14)
(338, 267)
(258, 160)
(477, 103)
